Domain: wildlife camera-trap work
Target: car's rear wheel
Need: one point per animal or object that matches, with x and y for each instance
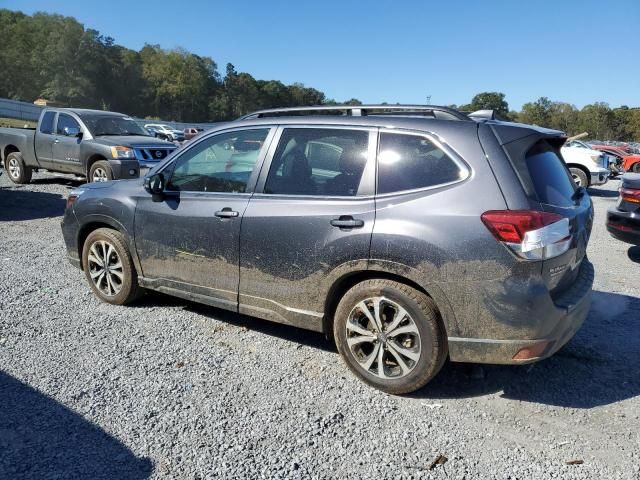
(100, 171)
(17, 171)
(579, 177)
(108, 267)
(635, 168)
(390, 335)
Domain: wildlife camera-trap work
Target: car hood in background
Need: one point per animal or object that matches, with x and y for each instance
(131, 140)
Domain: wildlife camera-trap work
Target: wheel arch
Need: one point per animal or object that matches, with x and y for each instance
(8, 150)
(96, 157)
(94, 225)
(347, 281)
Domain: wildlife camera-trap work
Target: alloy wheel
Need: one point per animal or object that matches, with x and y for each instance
(14, 168)
(576, 179)
(383, 338)
(105, 268)
(99, 175)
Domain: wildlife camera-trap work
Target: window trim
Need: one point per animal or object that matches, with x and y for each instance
(464, 167)
(367, 182)
(253, 178)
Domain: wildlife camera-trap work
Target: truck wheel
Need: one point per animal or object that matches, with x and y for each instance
(390, 335)
(108, 267)
(579, 177)
(100, 171)
(17, 171)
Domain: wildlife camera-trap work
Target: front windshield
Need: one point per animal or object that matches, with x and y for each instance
(112, 125)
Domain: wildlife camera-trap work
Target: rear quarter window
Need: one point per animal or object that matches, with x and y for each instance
(409, 162)
(46, 125)
(549, 175)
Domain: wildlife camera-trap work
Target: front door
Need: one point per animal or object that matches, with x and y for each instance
(66, 148)
(188, 244)
(309, 222)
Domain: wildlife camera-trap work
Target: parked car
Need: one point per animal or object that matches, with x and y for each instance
(623, 220)
(408, 234)
(612, 159)
(190, 133)
(588, 167)
(92, 143)
(171, 134)
(630, 162)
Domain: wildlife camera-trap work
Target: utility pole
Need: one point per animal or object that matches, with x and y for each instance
(428, 99)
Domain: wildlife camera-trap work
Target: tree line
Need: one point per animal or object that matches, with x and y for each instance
(57, 58)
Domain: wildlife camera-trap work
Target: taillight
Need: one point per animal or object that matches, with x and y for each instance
(630, 195)
(530, 234)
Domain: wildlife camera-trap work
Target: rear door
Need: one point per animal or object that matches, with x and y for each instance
(309, 222)
(66, 148)
(557, 193)
(44, 139)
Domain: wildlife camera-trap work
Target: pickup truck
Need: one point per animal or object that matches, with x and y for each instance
(95, 144)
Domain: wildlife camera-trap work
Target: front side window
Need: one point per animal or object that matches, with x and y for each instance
(46, 125)
(318, 161)
(64, 121)
(221, 163)
(408, 162)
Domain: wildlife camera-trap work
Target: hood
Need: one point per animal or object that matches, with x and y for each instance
(583, 151)
(131, 140)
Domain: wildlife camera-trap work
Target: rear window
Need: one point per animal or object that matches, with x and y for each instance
(46, 125)
(550, 177)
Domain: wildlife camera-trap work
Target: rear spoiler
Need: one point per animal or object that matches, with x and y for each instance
(485, 115)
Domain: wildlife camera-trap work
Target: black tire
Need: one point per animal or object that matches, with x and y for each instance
(128, 289)
(635, 168)
(16, 170)
(579, 176)
(100, 169)
(423, 314)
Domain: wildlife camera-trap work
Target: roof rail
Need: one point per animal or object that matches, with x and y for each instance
(362, 111)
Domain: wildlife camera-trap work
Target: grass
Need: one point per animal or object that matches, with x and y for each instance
(15, 123)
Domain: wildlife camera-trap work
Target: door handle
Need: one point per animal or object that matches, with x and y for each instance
(347, 221)
(226, 213)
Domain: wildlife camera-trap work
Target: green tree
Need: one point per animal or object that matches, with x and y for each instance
(488, 101)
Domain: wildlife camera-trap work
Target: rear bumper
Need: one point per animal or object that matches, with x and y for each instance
(624, 226)
(570, 311)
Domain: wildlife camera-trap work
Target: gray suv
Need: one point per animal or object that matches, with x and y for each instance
(408, 234)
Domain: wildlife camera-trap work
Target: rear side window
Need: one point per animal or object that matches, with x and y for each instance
(46, 125)
(408, 162)
(318, 161)
(551, 181)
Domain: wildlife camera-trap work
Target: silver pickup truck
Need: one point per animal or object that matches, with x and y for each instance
(94, 144)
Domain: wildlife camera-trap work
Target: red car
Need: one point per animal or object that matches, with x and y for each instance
(630, 161)
(189, 133)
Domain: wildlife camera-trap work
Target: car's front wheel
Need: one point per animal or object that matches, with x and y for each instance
(108, 267)
(390, 335)
(579, 177)
(100, 171)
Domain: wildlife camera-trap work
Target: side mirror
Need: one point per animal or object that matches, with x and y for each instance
(71, 131)
(154, 184)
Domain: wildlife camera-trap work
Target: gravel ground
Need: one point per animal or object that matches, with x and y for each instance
(171, 389)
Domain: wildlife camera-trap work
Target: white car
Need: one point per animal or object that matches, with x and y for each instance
(171, 134)
(588, 167)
